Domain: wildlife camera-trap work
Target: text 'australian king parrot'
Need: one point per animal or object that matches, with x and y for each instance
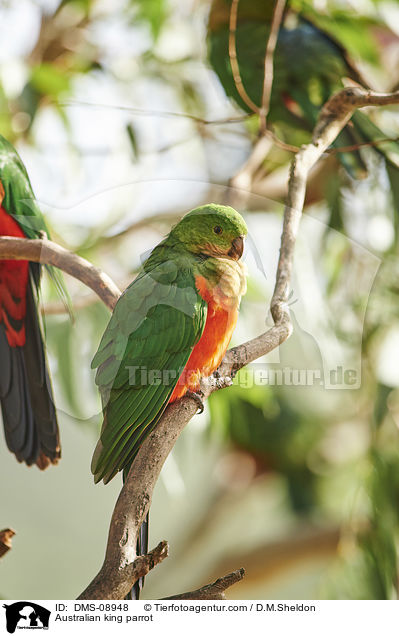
(170, 328)
(29, 417)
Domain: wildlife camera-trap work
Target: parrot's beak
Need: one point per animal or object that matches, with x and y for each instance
(237, 248)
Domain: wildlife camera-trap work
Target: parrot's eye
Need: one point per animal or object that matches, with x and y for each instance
(217, 229)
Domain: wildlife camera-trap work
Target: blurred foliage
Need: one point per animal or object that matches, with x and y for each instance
(152, 12)
(266, 425)
(301, 456)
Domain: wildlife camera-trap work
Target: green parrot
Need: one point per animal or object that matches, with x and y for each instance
(309, 66)
(170, 328)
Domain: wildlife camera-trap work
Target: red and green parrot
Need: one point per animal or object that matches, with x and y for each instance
(170, 328)
(27, 406)
(309, 66)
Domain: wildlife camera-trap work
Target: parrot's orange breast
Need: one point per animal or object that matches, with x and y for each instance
(208, 352)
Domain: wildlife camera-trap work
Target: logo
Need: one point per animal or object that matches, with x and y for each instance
(26, 615)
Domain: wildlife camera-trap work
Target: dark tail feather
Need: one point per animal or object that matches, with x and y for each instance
(26, 398)
(141, 548)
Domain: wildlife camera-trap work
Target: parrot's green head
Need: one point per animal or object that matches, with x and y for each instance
(212, 230)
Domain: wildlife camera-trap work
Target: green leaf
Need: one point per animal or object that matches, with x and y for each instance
(153, 12)
(133, 141)
(49, 80)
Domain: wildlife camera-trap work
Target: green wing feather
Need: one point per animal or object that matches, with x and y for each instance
(154, 327)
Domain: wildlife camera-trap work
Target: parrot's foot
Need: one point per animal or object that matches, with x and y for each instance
(197, 397)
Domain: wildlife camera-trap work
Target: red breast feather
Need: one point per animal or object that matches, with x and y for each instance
(13, 284)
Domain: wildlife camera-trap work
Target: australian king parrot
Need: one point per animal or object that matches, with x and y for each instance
(27, 406)
(309, 65)
(170, 328)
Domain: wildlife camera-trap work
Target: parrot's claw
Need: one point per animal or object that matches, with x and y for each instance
(197, 398)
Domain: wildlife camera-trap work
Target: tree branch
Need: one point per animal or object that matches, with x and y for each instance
(269, 63)
(121, 581)
(49, 253)
(6, 540)
(235, 69)
(242, 180)
(212, 591)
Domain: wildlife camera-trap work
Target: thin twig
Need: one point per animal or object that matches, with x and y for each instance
(280, 143)
(269, 63)
(212, 591)
(233, 59)
(145, 112)
(337, 149)
(362, 144)
(242, 180)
